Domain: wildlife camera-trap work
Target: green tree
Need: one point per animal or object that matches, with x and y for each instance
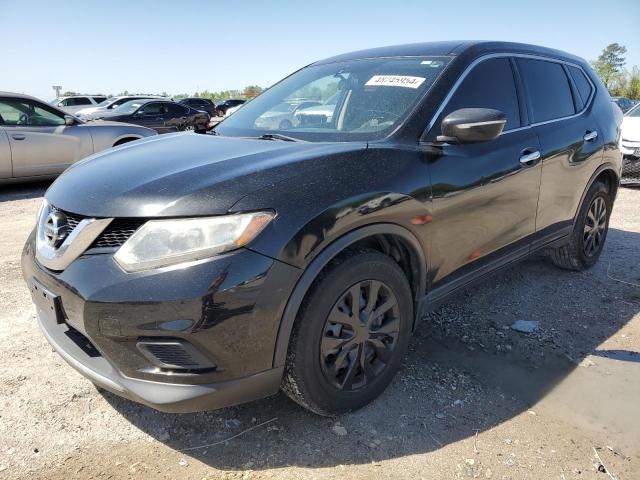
(633, 85)
(610, 63)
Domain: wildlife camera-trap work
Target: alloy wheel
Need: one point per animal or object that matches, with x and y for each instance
(360, 335)
(189, 128)
(595, 227)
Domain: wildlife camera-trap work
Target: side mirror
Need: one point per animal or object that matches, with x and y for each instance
(472, 125)
(69, 120)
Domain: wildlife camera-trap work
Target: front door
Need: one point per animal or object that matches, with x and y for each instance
(41, 143)
(484, 195)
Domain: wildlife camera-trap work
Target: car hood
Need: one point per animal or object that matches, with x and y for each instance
(631, 128)
(182, 174)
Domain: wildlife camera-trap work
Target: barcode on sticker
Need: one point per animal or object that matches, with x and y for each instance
(395, 81)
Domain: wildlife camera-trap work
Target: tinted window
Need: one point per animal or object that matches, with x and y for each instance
(69, 102)
(548, 89)
(582, 84)
(489, 85)
(152, 109)
(176, 109)
(99, 99)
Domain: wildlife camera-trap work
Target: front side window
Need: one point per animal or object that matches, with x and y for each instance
(128, 107)
(489, 85)
(25, 112)
(369, 98)
(548, 89)
(152, 109)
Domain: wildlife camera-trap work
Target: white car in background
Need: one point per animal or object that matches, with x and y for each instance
(232, 110)
(111, 103)
(74, 103)
(630, 146)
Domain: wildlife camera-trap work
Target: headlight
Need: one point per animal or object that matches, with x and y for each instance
(159, 243)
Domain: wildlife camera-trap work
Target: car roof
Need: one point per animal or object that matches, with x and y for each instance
(451, 48)
(18, 95)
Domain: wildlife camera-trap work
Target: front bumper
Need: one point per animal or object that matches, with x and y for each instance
(228, 308)
(630, 170)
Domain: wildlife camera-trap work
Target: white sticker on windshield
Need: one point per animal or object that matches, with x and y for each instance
(395, 81)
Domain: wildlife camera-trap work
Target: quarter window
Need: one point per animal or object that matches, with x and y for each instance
(582, 84)
(548, 89)
(489, 85)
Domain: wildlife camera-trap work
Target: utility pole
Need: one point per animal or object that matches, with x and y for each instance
(57, 88)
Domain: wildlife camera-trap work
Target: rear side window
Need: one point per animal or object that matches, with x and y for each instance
(489, 85)
(176, 109)
(548, 88)
(581, 82)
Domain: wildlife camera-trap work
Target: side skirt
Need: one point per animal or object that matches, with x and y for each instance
(437, 297)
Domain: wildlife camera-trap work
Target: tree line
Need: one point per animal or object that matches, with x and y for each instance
(610, 67)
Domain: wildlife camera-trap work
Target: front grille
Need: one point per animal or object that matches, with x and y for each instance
(118, 231)
(631, 170)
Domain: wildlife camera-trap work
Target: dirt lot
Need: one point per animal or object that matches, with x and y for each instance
(475, 399)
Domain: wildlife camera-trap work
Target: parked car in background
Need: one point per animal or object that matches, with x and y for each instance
(111, 103)
(624, 103)
(630, 146)
(204, 104)
(223, 105)
(220, 268)
(232, 110)
(39, 141)
(283, 116)
(162, 115)
(75, 103)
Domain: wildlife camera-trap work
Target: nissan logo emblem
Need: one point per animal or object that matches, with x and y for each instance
(55, 229)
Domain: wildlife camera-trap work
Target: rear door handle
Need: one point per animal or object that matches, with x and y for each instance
(529, 158)
(18, 136)
(590, 136)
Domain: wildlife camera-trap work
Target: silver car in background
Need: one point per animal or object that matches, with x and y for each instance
(111, 103)
(73, 103)
(39, 141)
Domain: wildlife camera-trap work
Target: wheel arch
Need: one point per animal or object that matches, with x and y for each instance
(389, 238)
(605, 173)
(125, 138)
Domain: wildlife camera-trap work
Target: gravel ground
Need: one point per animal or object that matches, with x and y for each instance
(475, 399)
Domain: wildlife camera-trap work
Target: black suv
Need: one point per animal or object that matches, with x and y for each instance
(224, 105)
(204, 104)
(192, 272)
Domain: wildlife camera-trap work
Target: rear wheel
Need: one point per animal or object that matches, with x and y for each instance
(351, 334)
(589, 232)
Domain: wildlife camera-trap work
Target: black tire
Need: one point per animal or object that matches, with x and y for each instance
(309, 376)
(123, 141)
(579, 253)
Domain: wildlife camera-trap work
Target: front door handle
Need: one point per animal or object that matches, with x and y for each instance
(18, 136)
(590, 136)
(529, 158)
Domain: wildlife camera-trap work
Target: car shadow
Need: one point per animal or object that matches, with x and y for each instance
(466, 371)
(22, 191)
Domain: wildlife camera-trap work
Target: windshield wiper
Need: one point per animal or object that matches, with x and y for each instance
(277, 136)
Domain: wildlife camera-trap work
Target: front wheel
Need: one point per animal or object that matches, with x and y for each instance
(589, 232)
(351, 334)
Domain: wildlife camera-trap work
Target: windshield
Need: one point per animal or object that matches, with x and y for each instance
(361, 100)
(128, 107)
(634, 112)
(106, 102)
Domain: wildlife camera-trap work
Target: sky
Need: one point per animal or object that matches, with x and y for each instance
(187, 46)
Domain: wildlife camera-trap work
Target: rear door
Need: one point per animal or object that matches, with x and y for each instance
(560, 107)
(484, 197)
(41, 143)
